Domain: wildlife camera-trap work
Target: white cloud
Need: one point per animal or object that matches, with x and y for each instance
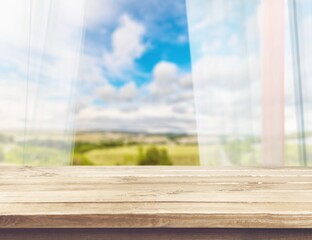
(14, 22)
(203, 14)
(227, 72)
(152, 118)
(187, 81)
(122, 96)
(164, 105)
(227, 94)
(171, 86)
(253, 26)
(165, 78)
(131, 107)
(90, 71)
(41, 113)
(99, 12)
(128, 92)
(107, 92)
(54, 58)
(211, 46)
(127, 45)
(164, 71)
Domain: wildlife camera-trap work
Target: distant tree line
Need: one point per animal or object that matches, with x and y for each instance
(6, 138)
(1, 155)
(47, 144)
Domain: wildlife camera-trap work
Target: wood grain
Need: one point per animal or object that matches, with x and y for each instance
(156, 234)
(155, 197)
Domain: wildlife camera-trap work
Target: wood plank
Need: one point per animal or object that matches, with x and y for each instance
(164, 169)
(6, 171)
(153, 197)
(169, 186)
(156, 220)
(155, 234)
(149, 208)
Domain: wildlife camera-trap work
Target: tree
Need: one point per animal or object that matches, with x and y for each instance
(154, 156)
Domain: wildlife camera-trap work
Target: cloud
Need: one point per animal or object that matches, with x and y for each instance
(122, 96)
(163, 97)
(42, 112)
(145, 118)
(186, 81)
(54, 65)
(165, 78)
(127, 45)
(164, 71)
(128, 92)
(204, 14)
(227, 93)
(101, 15)
(14, 22)
(227, 72)
(90, 72)
(226, 66)
(99, 12)
(163, 105)
(170, 85)
(107, 92)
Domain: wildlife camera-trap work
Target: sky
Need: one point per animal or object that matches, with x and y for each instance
(227, 53)
(95, 65)
(125, 65)
(136, 68)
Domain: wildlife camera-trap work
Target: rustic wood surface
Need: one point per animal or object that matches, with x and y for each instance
(155, 234)
(155, 197)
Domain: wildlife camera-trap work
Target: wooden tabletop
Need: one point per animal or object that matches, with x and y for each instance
(155, 197)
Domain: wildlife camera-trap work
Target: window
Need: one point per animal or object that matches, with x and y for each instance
(136, 82)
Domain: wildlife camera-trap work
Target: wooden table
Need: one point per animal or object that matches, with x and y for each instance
(155, 203)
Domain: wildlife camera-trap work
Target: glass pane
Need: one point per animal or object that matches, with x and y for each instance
(136, 101)
(225, 48)
(250, 69)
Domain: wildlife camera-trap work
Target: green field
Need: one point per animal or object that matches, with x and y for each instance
(113, 149)
(128, 155)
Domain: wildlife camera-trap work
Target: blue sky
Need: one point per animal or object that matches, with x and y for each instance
(139, 55)
(163, 40)
(165, 37)
(142, 53)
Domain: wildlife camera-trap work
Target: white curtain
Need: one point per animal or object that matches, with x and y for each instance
(40, 44)
(251, 68)
(299, 89)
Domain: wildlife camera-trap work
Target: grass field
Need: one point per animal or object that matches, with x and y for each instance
(128, 155)
(111, 149)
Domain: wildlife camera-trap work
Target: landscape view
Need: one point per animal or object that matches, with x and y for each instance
(102, 148)
(129, 82)
(121, 148)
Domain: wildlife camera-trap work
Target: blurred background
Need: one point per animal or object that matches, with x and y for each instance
(129, 82)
